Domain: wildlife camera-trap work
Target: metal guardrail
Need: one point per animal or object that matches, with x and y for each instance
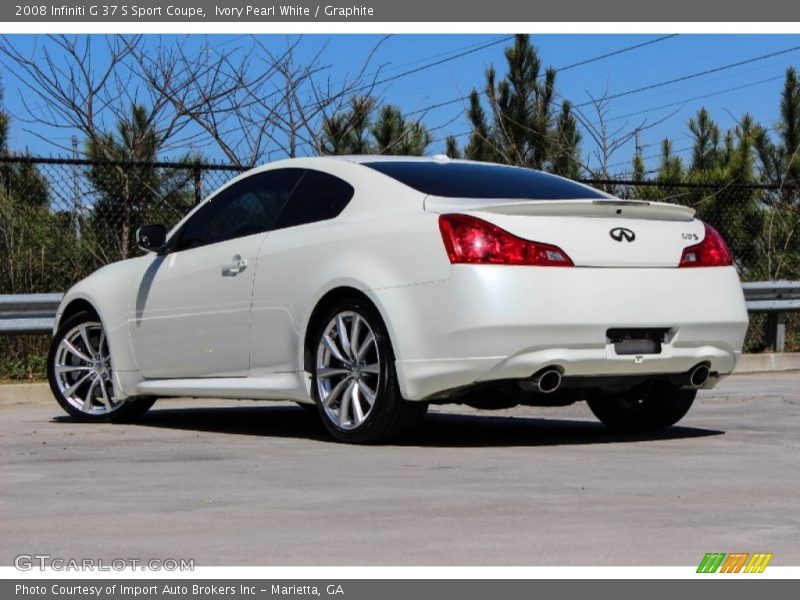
(35, 313)
(775, 298)
(769, 296)
(28, 313)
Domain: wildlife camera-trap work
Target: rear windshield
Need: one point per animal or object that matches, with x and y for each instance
(480, 180)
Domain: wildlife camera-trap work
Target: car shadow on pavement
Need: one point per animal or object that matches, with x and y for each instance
(438, 430)
(460, 430)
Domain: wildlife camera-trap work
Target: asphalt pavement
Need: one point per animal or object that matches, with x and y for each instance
(246, 483)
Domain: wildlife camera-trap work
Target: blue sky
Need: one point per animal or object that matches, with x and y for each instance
(759, 82)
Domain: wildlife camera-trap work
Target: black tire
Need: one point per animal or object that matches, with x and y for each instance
(120, 412)
(390, 415)
(650, 407)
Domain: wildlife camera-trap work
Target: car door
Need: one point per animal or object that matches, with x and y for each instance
(280, 297)
(190, 312)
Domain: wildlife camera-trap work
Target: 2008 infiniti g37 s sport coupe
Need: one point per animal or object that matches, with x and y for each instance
(370, 287)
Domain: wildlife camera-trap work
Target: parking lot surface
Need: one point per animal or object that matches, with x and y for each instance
(245, 483)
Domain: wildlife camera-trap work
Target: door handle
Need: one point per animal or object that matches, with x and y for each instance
(233, 268)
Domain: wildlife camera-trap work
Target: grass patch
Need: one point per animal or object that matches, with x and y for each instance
(23, 358)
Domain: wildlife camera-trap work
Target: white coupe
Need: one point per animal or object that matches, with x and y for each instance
(370, 287)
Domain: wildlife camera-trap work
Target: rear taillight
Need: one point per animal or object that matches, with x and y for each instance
(711, 252)
(474, 241)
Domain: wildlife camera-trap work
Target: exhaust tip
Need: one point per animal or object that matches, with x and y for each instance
(548, 381)
(699, 375)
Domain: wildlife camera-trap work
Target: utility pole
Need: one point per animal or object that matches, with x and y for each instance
(77, 209)
(638, 144)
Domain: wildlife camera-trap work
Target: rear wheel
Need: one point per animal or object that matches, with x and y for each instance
(354, 381)
(656, 405)
(80, 373)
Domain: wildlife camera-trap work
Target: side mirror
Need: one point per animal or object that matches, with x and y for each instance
(152, 238)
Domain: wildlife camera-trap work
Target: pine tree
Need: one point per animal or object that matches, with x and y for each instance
(347, 132)
(705, 153)
(520, 126)
(789, 129)
(394, 135)
(451, 147)
(780, 166)
(565, 160)
(131, 194)
(27, 227)
(671, 167)
(780, 162)
(637, 165)
(480, 145)
(740, 166)
(357, 131)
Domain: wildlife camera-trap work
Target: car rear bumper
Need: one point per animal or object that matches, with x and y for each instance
(498, 322)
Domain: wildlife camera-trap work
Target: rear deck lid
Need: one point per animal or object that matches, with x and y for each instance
(592, 227)
(592, 232)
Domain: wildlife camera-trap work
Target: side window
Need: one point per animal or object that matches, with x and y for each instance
(318, 197)
(249, 206)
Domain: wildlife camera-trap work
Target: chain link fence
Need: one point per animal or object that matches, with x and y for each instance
(61, 219)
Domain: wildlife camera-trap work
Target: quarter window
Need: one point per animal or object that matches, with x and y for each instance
(249, 206)
(318, 197)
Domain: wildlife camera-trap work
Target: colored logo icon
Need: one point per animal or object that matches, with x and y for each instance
(737, 562)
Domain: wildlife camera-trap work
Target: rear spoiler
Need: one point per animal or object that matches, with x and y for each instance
(631, 209)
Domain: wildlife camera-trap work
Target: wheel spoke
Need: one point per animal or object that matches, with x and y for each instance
(374, 368)
(70, 368)
(331, 346)
(358, 412)
(369, 340)
(335, 392)
(73, 350)
(71, 389)
(86, 342)
(104, 393)
(369, 394)
(100, 343)
(89, 398)
(355, 332)
(325, 372)
(344, 339)
(344, 405)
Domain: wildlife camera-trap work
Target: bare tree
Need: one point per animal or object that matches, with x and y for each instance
(90, 84)
(64, 85)
(608, 140)
(248, 101)
(252, 101)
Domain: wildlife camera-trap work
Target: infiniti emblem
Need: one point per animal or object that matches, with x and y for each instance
(618, 234)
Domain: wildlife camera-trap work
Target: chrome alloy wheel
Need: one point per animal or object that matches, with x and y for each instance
(82, 369)
(348, 370)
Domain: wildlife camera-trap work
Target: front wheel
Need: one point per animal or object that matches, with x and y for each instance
(354, 381)
(657, 405)
(80, 373)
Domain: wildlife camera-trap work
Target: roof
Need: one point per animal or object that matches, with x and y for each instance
(364, 158)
